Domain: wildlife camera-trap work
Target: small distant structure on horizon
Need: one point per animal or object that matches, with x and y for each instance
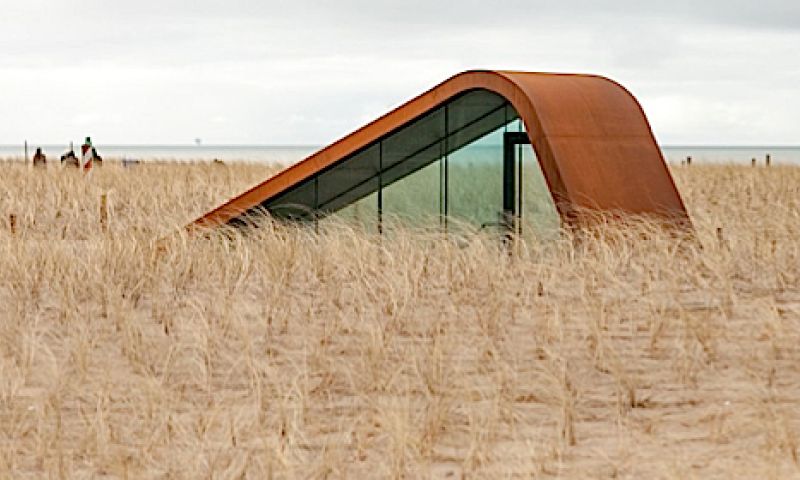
(198, 141)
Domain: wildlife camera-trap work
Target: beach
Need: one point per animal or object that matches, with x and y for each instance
(131, 349)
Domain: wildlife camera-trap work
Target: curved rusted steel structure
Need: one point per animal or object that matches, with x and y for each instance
(593, 141)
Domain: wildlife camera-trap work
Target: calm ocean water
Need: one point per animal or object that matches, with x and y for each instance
(287, 155)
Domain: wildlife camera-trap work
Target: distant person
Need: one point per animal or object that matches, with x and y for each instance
(96, 158)
(69, 159)
(86, 155)
(39, 158)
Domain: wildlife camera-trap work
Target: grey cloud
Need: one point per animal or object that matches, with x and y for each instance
(370, 14)
(176, 32)
(353, 59)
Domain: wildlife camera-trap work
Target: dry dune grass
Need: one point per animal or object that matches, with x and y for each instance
(286, 353)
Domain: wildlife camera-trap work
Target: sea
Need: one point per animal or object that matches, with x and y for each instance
(290, 154)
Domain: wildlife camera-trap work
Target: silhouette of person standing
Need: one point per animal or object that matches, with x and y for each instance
(39, 158)
(69, 159)
(96, 158)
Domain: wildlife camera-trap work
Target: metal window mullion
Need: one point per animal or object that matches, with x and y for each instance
(446, 163)
(441, 182)
(316, 204)
(380, 187)
(519, 190)
(521, 128)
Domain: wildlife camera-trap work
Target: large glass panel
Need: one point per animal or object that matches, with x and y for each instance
(475, 184)
(413, 146)
(362, 214)
(475, 189)
(539, 217)
(341, 185)
(474, 115)
(297, 204)
(414, 200)
(349, 181)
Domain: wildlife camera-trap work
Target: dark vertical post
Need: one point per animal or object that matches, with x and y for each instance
(512, 204)
(26, 151)
(519, 190)
(380, 187)
(441, 182)
(316, 204)
(446, 164)
(769, 159)
(508, 183)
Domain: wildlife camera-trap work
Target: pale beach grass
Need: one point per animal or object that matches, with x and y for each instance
(284, 353)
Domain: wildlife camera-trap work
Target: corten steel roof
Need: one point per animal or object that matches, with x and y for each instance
(592, 139)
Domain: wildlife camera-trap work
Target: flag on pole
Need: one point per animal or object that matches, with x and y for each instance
(86, 155)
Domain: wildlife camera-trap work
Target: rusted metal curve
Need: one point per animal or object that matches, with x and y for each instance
(591, 136)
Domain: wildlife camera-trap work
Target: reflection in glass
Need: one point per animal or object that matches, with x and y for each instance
(539, 218)
(475, 183)
(414, 201)
(362, 214)
(445, 168)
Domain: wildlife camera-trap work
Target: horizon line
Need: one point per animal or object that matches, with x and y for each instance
(310, 145)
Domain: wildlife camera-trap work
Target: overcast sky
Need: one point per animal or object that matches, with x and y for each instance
(716, 72)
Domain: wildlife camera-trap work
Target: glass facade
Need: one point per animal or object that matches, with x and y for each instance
(362, 214)
(415, 200)
(539, 218)
(450, 168)
(475, 183)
